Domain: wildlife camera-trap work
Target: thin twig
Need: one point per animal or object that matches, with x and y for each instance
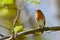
(4, 38)
(14, 22)
(5, 27)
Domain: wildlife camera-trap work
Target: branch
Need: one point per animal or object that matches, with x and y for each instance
(15, 20)
(31, 31)
(4, 38)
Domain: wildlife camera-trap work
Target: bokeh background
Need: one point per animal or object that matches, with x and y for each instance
(50, 9)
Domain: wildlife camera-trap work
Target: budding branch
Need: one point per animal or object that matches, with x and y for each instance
(31, 31)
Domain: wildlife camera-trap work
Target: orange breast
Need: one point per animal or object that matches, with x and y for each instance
(39, 16)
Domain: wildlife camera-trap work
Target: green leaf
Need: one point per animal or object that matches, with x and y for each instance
(17, 28)
(33, 1)
(1, 3)
(9, 13)
(8, 1)
(3, 12)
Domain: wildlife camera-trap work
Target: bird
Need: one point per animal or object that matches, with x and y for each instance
(40, 19)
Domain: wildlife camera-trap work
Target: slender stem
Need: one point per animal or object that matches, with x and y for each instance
(4, 38)
(14, 23)
(5, 27)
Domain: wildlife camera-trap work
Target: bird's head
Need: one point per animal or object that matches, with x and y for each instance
(39, 14)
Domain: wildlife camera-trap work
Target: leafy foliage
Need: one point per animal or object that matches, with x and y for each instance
(7, 4)
(3, 12)
(18, 28)
(8, 1)
(7, 8)
(1, 3)
(33, 1)
(7, 12)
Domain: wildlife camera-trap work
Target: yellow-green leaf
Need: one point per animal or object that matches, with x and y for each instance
(17, 28)
(8, 1)
(33, 1)
(1, 3)
(3, 12)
